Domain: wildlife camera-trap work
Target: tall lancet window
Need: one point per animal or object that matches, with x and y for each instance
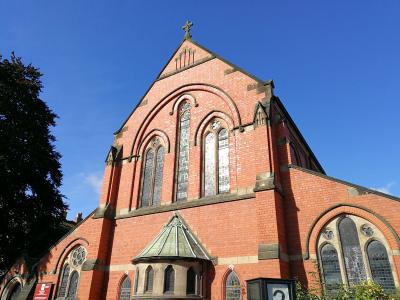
(152, 174)
(183, 152)
(216, 160)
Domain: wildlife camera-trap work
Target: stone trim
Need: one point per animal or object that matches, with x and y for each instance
(265, 181)
(324, 212)
(358, 189)
(222, 198)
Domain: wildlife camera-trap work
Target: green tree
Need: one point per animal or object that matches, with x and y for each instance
(31, 205)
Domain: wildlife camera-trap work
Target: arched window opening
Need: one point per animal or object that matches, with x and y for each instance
(350, 248)
(169, 280)
(125, 289)
(16, 290)
(64, 281)
(136, 281)
(380, 266)
(331, 269)
(232, 287)
(73, 285)
(216, 160)
(68, 282)
(191, 282)
(149, 276)
(352, 254)
(294, 155)
(183, 152)
(152, 174)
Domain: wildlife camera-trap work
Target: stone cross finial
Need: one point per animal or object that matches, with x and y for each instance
(186, 28)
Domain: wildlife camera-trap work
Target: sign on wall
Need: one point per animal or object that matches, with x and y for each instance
(42, 291)
(271, 289)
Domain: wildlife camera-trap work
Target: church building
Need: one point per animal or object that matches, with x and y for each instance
(209, 183)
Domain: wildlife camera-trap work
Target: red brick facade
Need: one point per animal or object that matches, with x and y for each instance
(266, 226)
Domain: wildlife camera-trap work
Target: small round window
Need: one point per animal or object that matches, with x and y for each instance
(78, 256)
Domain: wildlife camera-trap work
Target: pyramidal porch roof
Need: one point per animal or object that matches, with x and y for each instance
(175, 241)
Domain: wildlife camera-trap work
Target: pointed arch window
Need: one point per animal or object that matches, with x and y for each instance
(152, 174)
(68, 282)
(149, 278)
(351, 251)
(191, 282)
(352, 247)
(380, 265)
(216, 160)
(64, 281)
(169, 280)
(331, 268)
(136, 281)
(182, 176)
(232, 287)
(125, 289)
(73, 285)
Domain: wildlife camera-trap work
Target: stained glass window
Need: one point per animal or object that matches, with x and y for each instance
(183, 152)
(147, 178)
(223, 161)
(16, 290)
(158, 176)
(73, 285)
(216, 160)
(191, 282)
(125, 290)
(64, 282)
(352, 254)
(209, 164)
(152, 175)
(331, 268)
(148, 287)
(232, 287)
(169, 280)
(380, 266)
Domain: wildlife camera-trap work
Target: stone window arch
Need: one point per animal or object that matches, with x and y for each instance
(182, 158)
(169, 280)
(216, 159)
(149, 279)
(152, 174)
(350, 250)
(125, 289)
(191, 280)
(12, 289)
(69, 277)
(232, 287)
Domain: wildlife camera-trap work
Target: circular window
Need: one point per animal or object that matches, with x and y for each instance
(78, 256)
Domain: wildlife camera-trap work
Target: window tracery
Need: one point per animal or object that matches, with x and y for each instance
(125, 289)
(216, 160)
(152, 174)
(353, 251)
(69, 277)
(232, 287)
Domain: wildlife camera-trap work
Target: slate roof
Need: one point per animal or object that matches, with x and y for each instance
(175, 241)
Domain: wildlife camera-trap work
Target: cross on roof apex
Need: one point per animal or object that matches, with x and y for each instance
(187, 28)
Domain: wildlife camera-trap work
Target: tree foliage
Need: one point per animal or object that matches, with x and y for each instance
(31, 205)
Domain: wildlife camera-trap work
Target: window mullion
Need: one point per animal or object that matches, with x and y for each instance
(153, 175)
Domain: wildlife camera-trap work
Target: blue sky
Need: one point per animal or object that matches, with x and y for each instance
(335, 64)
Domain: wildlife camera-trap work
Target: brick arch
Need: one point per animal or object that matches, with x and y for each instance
(204, 122)
(119, 286)
(67, 249)
(183, 98)
(225, 275)
(327, 215)
(149, 136)
(175, 95)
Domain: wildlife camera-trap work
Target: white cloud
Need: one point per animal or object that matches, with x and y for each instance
(385, 189)
(94, 180)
